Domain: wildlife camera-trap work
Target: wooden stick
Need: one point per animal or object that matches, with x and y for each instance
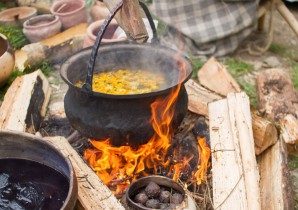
(92, 192)
(288, 16)
(240, 116)
(129, 18)
(229, 190)
(25, 103)
(265, 133)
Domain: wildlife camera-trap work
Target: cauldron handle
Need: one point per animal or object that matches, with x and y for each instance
(88, 84)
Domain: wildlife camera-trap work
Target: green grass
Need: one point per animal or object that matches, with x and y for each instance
(15, 36)
(293, 162)
(278, 49)
(237, 67)
(44, 66)
(197, 65)
(294, 75)
(250, 90)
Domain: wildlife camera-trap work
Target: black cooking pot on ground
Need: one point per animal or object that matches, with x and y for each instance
(125, 119)
(34, 174)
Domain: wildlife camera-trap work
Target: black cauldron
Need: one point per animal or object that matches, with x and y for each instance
(125, 119)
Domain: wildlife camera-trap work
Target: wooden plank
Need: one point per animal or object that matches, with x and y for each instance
(276, 192)
(228, 181)
(92, 192)
(25, 103)
(240, 118)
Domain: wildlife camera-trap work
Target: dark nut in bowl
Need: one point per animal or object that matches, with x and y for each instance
(159, 188)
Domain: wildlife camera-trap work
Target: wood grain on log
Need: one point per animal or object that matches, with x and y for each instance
(214, 76)
(264, 132)
(92, 192)
(279, 101)
(25, 103)
(235, 173)
(66, 43)
(241, 124)
(275, 183)
(229, 190)
(129, 18)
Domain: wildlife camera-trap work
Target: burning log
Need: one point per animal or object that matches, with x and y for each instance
(53, 49)
(279, 100)
(233, 151)
(25, 103)
(92, 192)
(129, 18)
(265, 133)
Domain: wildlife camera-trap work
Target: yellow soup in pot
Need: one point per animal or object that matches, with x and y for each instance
(124, 82)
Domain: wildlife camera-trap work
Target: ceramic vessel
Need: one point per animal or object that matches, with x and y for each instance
(99, 11)
(109, 35)
(18, 145)
(15, 17)
(70, 12)
(42, 27)
(6, 60)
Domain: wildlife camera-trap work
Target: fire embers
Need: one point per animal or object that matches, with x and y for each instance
(158, 197)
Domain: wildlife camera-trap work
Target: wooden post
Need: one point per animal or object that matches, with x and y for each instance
(92, 192)
(129, 18)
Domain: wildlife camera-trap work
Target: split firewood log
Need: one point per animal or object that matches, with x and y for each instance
(279, 101)
(234, 166)
(54, 49)
(265, 133)
(25, 103)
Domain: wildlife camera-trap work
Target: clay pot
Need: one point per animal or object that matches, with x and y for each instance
(15, 17)
(6, 60)
(109, 36)
(23, 146)
(99, 11)
(70, 12)
(41, 27)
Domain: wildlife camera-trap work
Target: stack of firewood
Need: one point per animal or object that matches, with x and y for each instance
(249, 155)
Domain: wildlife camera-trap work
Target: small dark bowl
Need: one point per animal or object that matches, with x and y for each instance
(133, 189)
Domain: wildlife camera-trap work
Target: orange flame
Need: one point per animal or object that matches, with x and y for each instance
(117, 166)
(204, 164)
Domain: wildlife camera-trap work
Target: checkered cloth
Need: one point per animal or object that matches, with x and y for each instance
(206, 27)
